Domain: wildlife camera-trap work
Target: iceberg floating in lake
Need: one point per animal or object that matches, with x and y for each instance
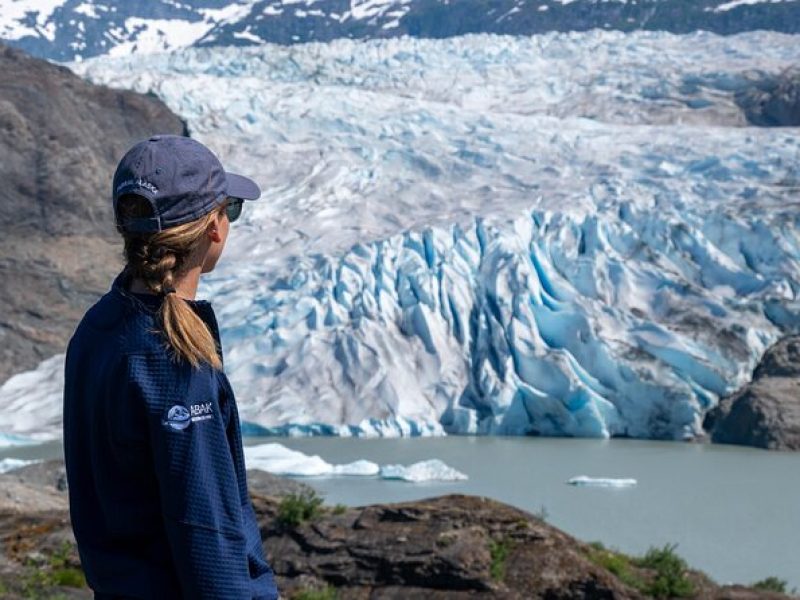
(425, 470)
(583, 480)
(280, 460)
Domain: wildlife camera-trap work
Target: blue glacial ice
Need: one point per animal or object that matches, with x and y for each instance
(486, 234)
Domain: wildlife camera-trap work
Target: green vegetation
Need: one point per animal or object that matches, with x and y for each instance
(670, 579)
(339, 509)
(660, 573)
(45, 572)
(619, 564)
(296, 508)
(499, 551)
(326, 593)
(771, 584)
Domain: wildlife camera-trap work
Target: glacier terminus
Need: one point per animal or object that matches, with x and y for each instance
(486, 234)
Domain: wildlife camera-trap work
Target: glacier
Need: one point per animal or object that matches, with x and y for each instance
(563, 234)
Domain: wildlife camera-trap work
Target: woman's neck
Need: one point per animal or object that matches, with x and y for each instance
(185, 287)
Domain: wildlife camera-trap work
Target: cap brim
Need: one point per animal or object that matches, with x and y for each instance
(240, 186)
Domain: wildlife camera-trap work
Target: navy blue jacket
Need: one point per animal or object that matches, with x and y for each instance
(153, 449)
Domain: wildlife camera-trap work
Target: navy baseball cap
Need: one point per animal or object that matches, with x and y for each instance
(181, 178)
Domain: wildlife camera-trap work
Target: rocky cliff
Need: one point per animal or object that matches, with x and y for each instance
(766, 412)
(773, 100)
(60, 141)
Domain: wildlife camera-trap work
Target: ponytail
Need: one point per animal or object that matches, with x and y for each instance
(156, 259)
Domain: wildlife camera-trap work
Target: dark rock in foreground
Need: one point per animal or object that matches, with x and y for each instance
(435, 548)
(766, 412)
(60, 140)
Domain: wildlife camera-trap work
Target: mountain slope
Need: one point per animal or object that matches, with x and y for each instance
(61, 139)
(69, 29)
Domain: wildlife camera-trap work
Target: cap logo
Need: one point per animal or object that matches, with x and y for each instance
(138, 182)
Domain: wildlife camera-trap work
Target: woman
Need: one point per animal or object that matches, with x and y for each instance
(157, 485)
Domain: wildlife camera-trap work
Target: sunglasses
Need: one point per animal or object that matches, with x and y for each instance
(234, 208)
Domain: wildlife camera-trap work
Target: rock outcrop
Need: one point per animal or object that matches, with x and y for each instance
(60, 140)
(766, 412)
(773, 101)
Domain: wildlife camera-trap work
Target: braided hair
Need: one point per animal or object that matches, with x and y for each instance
(157, 258)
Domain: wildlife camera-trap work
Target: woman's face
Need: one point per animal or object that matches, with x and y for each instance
(217, 234)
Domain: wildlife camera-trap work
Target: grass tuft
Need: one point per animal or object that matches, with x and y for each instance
(660, 573)
(499, 550)
(326, 593)
(297, 508)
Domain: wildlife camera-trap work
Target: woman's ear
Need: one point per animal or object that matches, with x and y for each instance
(213, 229)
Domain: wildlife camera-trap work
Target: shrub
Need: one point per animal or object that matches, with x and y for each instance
(69, 577)
(296, 508)
(619, 564)
(670, 580)
(771, 584)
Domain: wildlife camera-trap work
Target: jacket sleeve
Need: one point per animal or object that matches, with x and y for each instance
(196, 478)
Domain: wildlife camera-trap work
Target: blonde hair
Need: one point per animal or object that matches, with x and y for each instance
(157, 258)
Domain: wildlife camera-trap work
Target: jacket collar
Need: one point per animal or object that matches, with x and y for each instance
(149, 302)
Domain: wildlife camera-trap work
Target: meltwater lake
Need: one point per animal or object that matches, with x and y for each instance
(734, 512)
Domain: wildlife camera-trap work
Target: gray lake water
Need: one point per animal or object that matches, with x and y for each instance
(734, 512)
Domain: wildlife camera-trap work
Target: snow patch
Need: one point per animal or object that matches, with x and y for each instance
(12, 12)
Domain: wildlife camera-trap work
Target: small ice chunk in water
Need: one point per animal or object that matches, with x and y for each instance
(425, 470)
(583, 480)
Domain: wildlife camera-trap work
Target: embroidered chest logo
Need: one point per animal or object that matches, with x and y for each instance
(179, 417)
